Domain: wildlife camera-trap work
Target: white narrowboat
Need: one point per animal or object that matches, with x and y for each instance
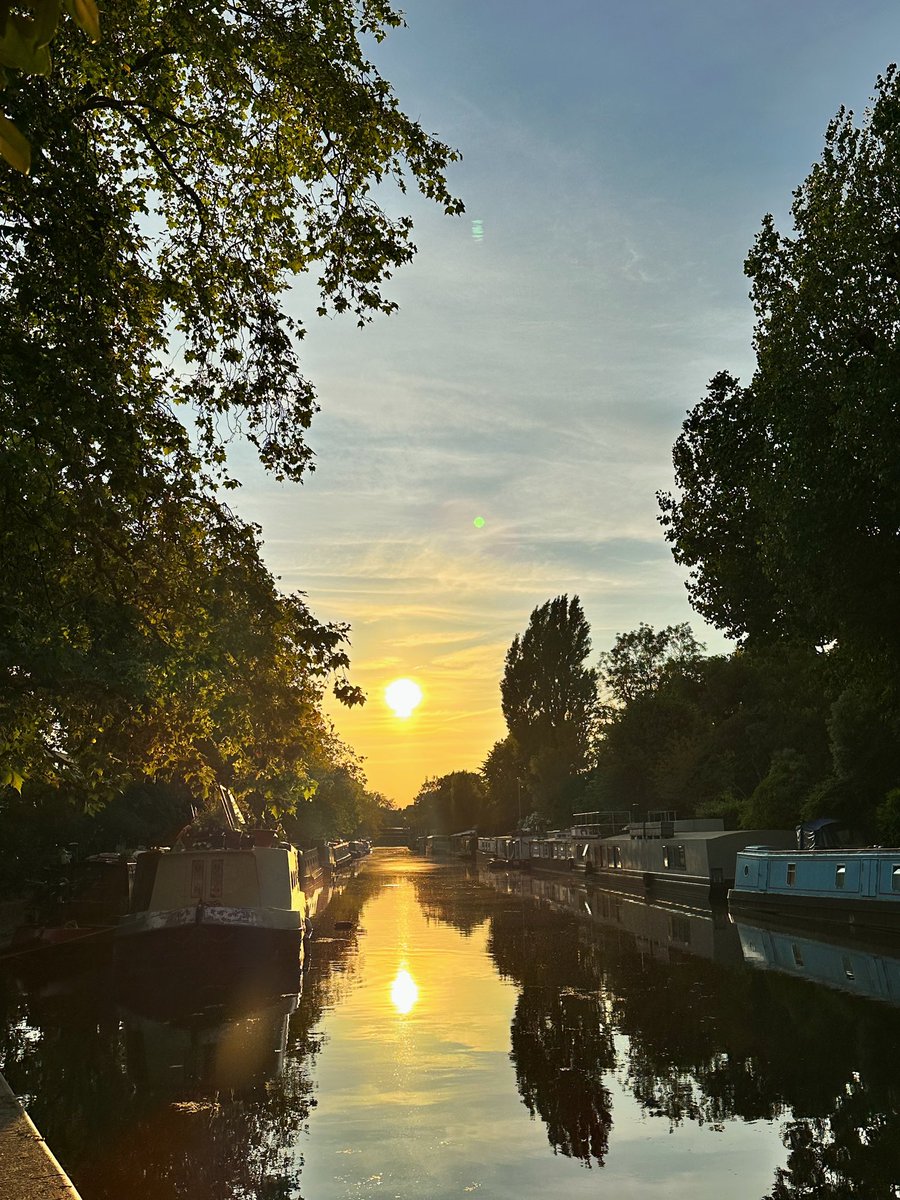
(240, 900)
(674, 857)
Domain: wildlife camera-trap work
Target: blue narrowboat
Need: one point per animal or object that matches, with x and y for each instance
(858, 887)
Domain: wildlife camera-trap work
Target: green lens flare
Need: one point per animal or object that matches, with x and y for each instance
(478, 522)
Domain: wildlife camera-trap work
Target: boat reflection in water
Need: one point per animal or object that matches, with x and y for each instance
(868, 970)
(658, 928)
(208, 1052)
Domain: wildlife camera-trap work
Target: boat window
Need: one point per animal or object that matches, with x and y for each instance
(216, 876)
(197, 873)
(746, 869)
(840, 875)
(848, 968)
(666, 862)
(791, 874)
(798, 957)
(680, 930)
(681, 860)
(895, 878)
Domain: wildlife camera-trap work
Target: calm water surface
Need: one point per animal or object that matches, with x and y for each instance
(460, 1033)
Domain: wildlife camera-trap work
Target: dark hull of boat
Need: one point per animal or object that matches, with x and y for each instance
(878, 916)
(171, 969)
(663, 885)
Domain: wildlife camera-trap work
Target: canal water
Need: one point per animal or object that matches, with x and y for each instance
(457, 1032)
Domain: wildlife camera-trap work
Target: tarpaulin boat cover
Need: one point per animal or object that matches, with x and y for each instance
(822, 834)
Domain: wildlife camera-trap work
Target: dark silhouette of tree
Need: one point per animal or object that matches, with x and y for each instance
(506, 791)
(640, 661)
(549, 699)
(448, 804)
(789, 499)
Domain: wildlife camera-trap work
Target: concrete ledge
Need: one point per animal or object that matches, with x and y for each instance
(28, 1169)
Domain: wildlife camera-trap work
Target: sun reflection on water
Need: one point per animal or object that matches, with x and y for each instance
(404, 991)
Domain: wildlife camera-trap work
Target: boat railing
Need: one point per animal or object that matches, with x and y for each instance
(600, 823)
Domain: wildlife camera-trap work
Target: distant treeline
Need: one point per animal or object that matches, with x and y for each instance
(762, 737)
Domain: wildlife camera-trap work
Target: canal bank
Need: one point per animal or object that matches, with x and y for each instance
(28, 1168)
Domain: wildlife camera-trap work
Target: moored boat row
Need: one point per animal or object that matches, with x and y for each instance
(662, 856)
(802, 874)
(222, 894)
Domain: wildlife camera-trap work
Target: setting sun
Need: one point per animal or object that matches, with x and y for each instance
(403, 695)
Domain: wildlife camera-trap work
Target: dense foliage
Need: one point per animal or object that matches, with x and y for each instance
(788, 513)
(184, 171)
(789, 509)
(448, 804)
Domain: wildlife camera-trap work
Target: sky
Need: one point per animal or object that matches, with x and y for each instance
(617, 161)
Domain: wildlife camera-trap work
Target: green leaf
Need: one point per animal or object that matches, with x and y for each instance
(18, 49)
(46, 21)
(84, 14)
(14, 146)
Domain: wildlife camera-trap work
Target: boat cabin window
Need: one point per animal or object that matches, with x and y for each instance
(840, 875)
(895, 878)
(791, 874)
(617, 857)
(666, 859)
(798, 956)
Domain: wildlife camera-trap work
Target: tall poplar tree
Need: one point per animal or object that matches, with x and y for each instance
(549, 699)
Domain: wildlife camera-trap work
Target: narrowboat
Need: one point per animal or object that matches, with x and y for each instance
(675, 857)
(438, 845)
(238, 901)
(336, 857)
(500, 853)
(858, 887)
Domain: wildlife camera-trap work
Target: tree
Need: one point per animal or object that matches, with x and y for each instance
(789, 505)
(185, 169)
(640, 660)
(252, 135)
(448, 804)
(549, 697)
(502, 773)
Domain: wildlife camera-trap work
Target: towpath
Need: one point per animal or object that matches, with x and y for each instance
(28, 1170)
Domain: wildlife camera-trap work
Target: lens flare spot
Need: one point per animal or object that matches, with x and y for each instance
(478, 522)
(403, 696)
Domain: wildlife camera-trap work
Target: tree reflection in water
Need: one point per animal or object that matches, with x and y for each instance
(705, 1041)
(158, 1101)
(666, 1014)
(562, 1050)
